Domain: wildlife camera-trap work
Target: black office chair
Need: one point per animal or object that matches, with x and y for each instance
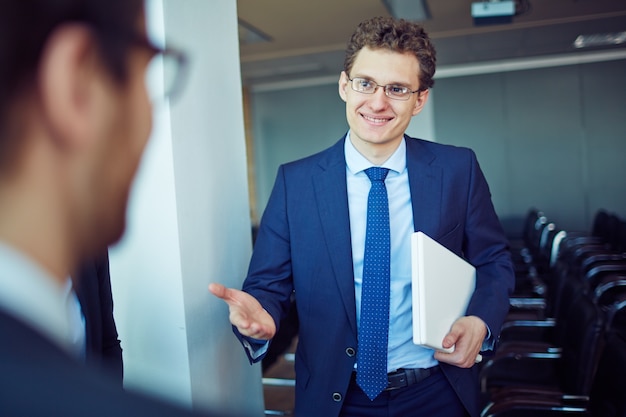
(528, 300)
(608, 393)
(607, 396)
(621, 244)
(527, 282)
(549, 329)
(525, 378)
(598, 274)
(610, 290)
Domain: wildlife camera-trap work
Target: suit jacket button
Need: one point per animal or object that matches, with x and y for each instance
(350, 352)
(336, 397)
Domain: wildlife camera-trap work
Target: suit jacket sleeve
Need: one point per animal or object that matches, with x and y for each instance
(269, 273)
(452, 204)
(486, 247)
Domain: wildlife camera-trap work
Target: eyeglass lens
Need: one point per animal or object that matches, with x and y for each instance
(164, 75)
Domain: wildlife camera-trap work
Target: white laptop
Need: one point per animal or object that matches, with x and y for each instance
(443, 284)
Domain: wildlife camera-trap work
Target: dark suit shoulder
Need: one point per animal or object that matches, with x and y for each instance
(37, 378)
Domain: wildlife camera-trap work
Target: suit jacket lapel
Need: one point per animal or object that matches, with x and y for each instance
(332, 201)
(86, 287)
(425, 182)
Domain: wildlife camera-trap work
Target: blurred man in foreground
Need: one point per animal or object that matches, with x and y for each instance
(74, 120)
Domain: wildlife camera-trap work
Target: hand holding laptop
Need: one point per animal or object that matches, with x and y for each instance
(465, 338)
(443, 284)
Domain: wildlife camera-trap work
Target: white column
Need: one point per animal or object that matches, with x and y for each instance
(189, 225)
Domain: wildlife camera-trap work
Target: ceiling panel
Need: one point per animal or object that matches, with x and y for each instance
(307, 38)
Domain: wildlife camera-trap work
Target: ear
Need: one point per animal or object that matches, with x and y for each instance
(69, 76)
(422, 98)
(343, 85)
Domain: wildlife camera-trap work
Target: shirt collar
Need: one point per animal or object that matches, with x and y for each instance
(30, 294)
(356, 162)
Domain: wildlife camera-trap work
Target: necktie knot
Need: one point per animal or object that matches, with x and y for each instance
(377, 173)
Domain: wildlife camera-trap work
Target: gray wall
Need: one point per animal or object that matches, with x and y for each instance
(553, 138)
(291, 124)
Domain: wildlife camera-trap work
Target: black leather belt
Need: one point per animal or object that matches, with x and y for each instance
(405, 377)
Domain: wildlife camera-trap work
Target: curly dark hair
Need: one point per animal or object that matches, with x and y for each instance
(397, 35)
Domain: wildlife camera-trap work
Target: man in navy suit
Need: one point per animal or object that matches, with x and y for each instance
(312, 234)
(74, 120)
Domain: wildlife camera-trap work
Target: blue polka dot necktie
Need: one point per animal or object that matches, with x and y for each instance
(374, 320)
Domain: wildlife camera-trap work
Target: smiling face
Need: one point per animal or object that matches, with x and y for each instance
(377, 122)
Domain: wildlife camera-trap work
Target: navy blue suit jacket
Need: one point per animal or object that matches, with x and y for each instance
(303, 245)
(92, 284)
(38, 379)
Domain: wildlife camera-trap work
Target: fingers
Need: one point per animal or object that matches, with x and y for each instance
(230, 295)
(260, 326)
(240, 320)
(245, 312)
(451, 338)
(461, 357)
(466, 336)
(256, 331)
(217, 290)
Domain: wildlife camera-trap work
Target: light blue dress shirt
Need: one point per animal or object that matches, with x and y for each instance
(402, 353)
(28, 293)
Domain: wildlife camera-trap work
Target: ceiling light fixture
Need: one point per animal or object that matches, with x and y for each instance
(600, 39)
(493, 12)
(414, 10)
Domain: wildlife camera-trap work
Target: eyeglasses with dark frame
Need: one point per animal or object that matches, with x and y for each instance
(393, 91)
(166, 70)
(169, 65)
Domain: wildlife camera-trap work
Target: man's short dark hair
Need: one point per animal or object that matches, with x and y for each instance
(25, 25)
(398, 36)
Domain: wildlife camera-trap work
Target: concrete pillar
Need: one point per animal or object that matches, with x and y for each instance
(189, 224)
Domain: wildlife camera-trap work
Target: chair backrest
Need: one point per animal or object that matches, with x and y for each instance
(600, 221)
(534, 238)
(608, 397)
(529, 224)
(616, 314)
(610, 290)
(582, 345)
(601, 257)
(595, 275)
(544, 251)
(565, 287)
(621, 243)
(573, 250)
(556, 244)
(613, 231)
